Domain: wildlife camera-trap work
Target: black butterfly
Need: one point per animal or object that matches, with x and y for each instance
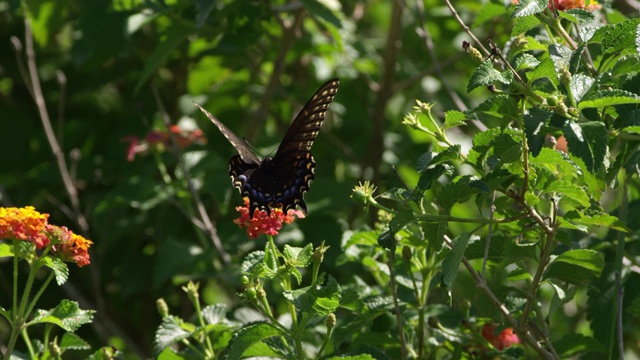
(280, 181)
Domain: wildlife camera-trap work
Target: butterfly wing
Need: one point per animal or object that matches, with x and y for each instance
(304, 128)
(239, 144)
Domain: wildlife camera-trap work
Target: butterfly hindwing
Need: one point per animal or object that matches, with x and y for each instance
(281, 181)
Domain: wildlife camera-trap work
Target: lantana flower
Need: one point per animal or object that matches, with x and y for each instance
(26, 224)
(262, 222)
(504, 339)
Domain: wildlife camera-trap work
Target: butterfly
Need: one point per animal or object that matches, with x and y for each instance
(280, 181)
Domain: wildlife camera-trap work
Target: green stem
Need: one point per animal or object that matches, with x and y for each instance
(38, 294)
(210, 353)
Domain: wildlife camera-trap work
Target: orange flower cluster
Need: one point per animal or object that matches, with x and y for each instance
(162, 139)
(24, 224)
(29, 225)
(505, 339)
(262, 222)
(69, 246)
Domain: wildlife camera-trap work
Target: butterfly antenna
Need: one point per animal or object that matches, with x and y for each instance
(255, 150)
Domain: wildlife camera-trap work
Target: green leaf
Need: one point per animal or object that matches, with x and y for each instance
(519, 275)
(616, 38)
(569, 190)
(400, 220)
(108, 353)
(576, 344)
(529, 7)
(535, 122)
(506, 150)
(297, 256)
(254, 265)
(353, 357)
(74, 342)
(60, 269)
(67, 315)
(603, 98)
(632, 129)
(434, 233)
(453, 118)
(214, 314)
(249, 336)
(6, 250)
(597, 219)
(523, 24)
(432, 174)
(580, 85)
(177, 33)
(452, 260)
(525, 61)
(319, 9)
(486, 74)
(458, 191)
(578, 16)
(587, 141)
(317, 299)
(576, 266)
(498, 107)
(546, 69)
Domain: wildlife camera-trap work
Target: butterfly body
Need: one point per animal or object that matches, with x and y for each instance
(280, 181)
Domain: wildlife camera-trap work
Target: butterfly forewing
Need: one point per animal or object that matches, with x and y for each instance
(281, 181)
(304, 128)
(239, 144)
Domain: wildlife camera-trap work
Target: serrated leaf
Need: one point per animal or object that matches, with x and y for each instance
(546, 69)
(452, 260)
(569, 190)
(550, 157)
(620, 37)
(297, 256)
(317, 299)
(525, 61)
(72, 341)
(354, 357)
(529, 7)
(214, 314)
(581, 15)
(519, 275)
(560, 55)
(498, 107)
(587, 141)
(67, 315)
(632, 129)
(459, 191)
(580, 85)
(60, 269)
(576, 58)
(453, 118)
(576, 266)
(577, 344)
(523, 24)
(400, 220)
(535, 121)
(249, 335)
(486, 74)
(430, 175)
(598, 219)
(603, 98)
(6, 250)
(434, 233)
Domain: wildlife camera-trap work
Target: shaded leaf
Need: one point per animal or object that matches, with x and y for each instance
(588, 141)
(576, 266)
(576, 344)
(317, 299)
(486, 74)
(67, 315)
(452, 260)
(248, 336)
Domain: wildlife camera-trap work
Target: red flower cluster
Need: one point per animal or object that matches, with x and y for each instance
(27, 224)
(262, 222)
(157, 139)
(505, 339)
(69, 246)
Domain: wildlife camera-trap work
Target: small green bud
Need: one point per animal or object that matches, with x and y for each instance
(245, 280)
(163, 308)
(552, 100)
(330, 321)
(251, 293)
(433, 322)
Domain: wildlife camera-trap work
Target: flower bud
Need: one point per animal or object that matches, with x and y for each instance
(163, 308)
(330, 321)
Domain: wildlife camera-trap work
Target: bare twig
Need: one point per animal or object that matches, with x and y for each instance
(62, 104)
(466, 28)
(523, 333)
(197, 202)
